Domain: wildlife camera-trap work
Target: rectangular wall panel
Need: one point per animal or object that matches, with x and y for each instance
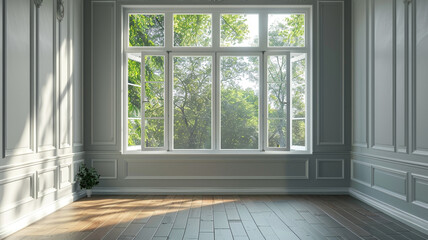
(360, 72)
(420, 84)
(46, 108)
(290, 169)
(77, 72)
(401, 77)
(383, 113)
(361, 173)
(16, 191)
(420, 190)
(2, 81)
(390, 181)
(46, 181)
(65, 177)
(330, 104)
(64, 80)
(330, 169)
(106, 168)
(18, 77)
(103, 98)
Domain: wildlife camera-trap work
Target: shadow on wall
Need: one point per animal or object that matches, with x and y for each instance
(19, 187)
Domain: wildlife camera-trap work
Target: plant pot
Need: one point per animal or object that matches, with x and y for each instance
(88, 192)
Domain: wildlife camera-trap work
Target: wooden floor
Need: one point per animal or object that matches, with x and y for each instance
(218, 217)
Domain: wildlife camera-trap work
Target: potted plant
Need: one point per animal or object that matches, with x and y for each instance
(88, 178)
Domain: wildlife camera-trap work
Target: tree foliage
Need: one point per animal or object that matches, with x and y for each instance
(192, 84)
(287, 31)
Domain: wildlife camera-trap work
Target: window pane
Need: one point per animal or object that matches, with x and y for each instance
(134, 132)
(154, 133)
(134, 101)
(192, 102)
(239, 77)
(239, 30)
(192, 30)
(298, 85)
(146, 30)
(154, 107)
(277, 101)
(286, 30)
(277, 132)
(134, 69)
(298, 98)
(298, 129)
(154, 68)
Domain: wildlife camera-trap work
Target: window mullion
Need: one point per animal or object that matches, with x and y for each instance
(166, 102)
(142, 101)
(168, 31)
(263, 30)
(262, 120)
(215, 30)
(215, 103)
(289, 103)
(264, 107)
(170, 107)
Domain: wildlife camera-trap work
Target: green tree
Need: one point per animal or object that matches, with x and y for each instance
(192, 102)
(146, 30)
(288, 31)
(192, 89)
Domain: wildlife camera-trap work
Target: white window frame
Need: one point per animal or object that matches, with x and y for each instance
(168, 50)
(265, 104)
(144, 101)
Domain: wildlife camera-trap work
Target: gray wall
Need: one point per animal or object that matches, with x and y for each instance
(326, 170)
(42, 109)
(390, 113)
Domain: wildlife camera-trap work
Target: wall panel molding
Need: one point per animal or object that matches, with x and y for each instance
(64, 81)
(360, 73)
(324, 172)
(18, 77)
(29, 188)
(419, 182)
(331, 78)
(383, 130)
(45, 77)
(77, 73)
(35, 162)
(47, 184)
(65, 175)
(355, 178)
(402, 77)
(382, 184)
(419, 77)
(103, 170)
(2, 76)
(289, 169)
(103, 74)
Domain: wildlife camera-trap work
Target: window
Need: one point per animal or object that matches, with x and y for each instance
(216, 79)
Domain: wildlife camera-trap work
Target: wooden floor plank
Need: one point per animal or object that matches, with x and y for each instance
(223, 234)
(206, 226)
(220, 220)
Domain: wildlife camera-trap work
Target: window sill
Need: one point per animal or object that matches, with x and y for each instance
(215, 153)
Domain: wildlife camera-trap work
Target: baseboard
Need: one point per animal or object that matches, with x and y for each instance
(402, 216)
(38, 214)
(224, 191)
